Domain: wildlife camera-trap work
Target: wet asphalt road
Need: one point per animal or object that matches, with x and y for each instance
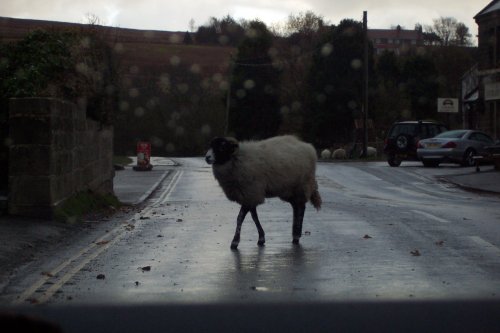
(382, 234)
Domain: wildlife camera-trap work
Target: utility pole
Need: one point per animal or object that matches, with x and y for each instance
(365, 90)
(228, 96)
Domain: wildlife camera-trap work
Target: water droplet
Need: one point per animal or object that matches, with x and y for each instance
(175, 60)
(241, 93)
(133, 92)
(249, 84)
(356, 64)
(326, 50)
(206, 130)
(139, 111)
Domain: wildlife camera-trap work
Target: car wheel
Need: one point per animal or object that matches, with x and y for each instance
(402, 141)
(430, 164)
(468, 159)
(394, 161)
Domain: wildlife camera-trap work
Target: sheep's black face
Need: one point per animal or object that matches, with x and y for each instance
(221, 150)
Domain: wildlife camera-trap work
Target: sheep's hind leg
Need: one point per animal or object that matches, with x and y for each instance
(262, 237)
(239, 221)
(298, 217)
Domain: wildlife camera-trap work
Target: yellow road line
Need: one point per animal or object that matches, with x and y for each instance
(35, 286)
(65, 278)
(119, 230)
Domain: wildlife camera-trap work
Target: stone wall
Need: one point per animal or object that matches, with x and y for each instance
(55, 152)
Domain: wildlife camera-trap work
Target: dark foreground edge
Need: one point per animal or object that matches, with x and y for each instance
(414, 316)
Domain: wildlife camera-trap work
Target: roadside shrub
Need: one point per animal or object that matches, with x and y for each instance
(75, 65)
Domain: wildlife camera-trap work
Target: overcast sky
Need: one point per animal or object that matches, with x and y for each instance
(175, 15)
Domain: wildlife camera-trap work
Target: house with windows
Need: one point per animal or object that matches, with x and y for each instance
(487, 100)
(396, 40)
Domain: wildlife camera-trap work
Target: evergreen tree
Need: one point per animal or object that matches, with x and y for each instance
(254, 101)
(421, 86)
(188, 40)
(336, 79)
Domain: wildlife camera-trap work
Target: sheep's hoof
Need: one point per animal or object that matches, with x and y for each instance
(261, 242)
(234, 246)
(295, 241)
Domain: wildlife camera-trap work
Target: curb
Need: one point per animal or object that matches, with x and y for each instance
(148, 193)
(466, 187)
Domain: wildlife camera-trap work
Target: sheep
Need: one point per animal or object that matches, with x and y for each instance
(370, 152)
(339, 154)
(326, 154)
(248, 172)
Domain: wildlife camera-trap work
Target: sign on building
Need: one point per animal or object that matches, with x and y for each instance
(491, 91)
(449, 105)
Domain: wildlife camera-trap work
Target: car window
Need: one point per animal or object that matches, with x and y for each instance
(433, 130)
(423, 131)
(452, 134)
(481, 137)
(408, 129)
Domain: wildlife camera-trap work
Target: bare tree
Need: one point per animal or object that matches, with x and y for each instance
(462, 35)
(192, 26)
(93, 19)
(306, 23)
(449, 32)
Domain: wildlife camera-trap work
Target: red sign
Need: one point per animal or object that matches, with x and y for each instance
(143, 153)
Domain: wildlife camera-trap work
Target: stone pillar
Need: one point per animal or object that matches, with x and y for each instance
(55, 153)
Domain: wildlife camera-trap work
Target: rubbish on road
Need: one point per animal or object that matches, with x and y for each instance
(415, 253)
(145, 268)
(101, 277)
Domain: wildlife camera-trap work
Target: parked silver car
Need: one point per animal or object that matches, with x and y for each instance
(457, 146)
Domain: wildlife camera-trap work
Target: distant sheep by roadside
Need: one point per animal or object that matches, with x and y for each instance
(326, 154)
(248, 172)
(370, 152)
(339, 154)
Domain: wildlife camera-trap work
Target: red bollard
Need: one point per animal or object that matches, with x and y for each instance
(143, 156)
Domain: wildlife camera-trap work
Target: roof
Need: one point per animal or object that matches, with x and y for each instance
(394, 34)
(491, 7)
(418, 122)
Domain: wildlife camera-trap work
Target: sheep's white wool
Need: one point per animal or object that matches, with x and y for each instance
(339, 154)
(371, 151)
(326, 154)
(281, 167)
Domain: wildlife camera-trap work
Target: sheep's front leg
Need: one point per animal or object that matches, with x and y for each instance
(298, 217)
(239, 221)
(262, 237)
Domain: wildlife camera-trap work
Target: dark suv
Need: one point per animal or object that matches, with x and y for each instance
(402, 139)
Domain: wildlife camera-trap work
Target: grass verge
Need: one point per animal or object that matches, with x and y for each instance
(122, 160)
(83, 204)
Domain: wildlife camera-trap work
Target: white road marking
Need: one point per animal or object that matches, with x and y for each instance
(173, 183)
(430, 216)
(485, 244)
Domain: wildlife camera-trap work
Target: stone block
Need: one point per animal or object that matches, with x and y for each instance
(30, 190)
(30, 130)
(33, 160)
(21, 107)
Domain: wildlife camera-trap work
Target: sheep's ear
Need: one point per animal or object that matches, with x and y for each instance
(233, 144)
